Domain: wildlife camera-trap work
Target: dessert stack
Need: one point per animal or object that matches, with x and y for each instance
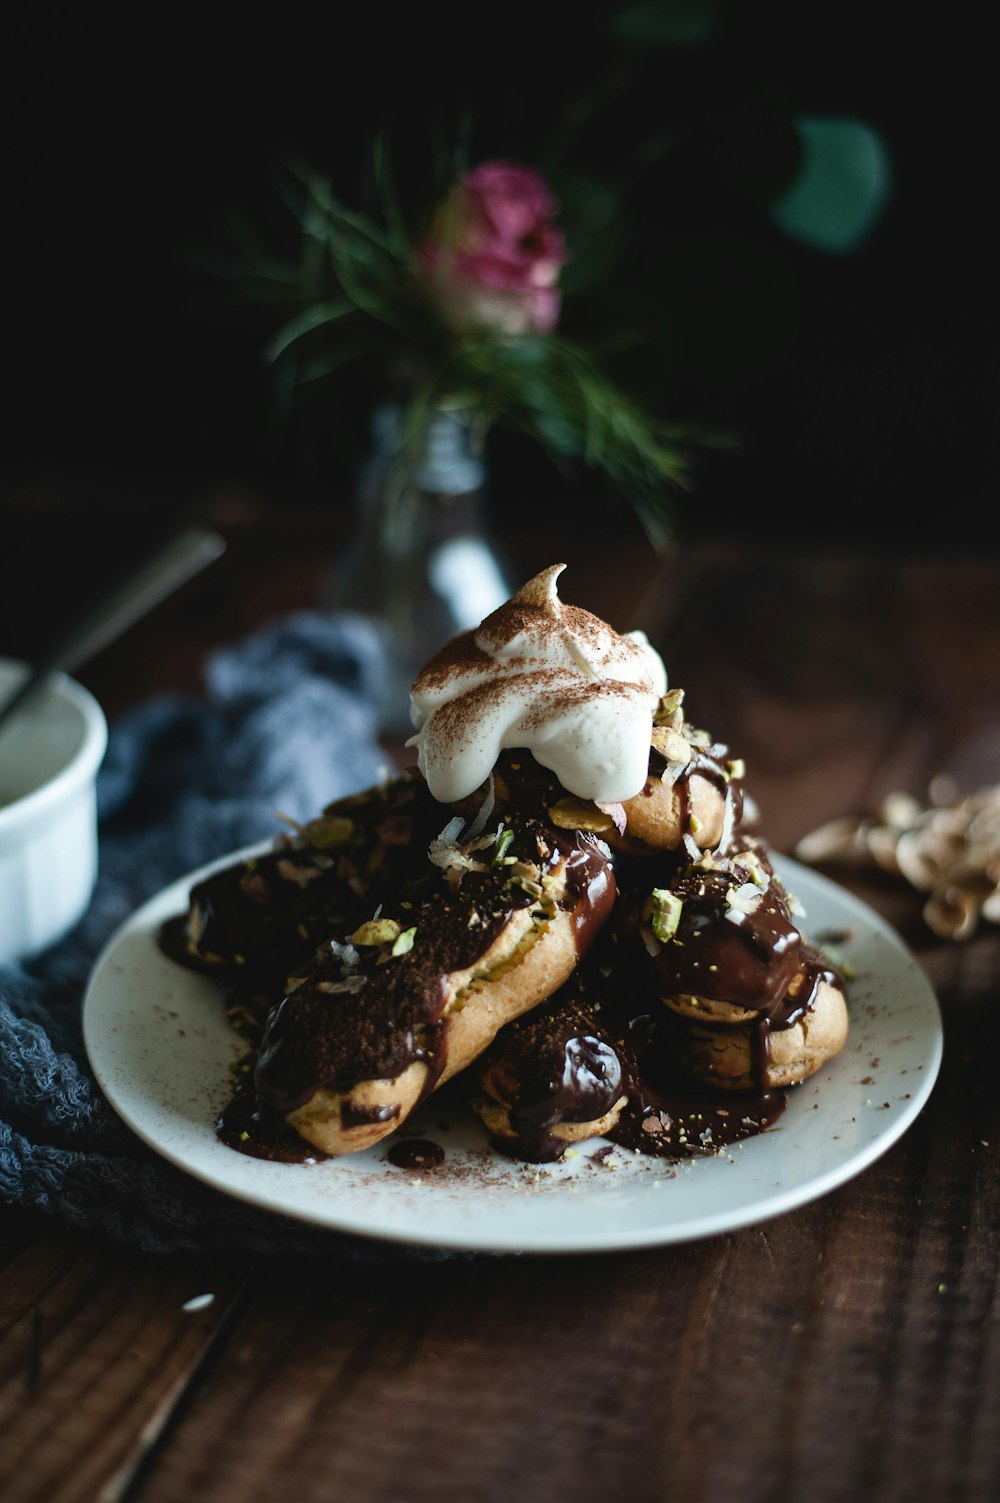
(562, 908)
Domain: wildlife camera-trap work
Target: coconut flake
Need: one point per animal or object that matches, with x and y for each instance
(744, 899)
(485, 812)
(444, 850)
(670, 773)
(615, 812)
(346, 953)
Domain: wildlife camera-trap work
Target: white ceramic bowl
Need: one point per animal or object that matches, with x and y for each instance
(50, 751)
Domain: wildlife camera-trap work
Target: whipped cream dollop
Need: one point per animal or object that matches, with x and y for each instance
(545, 677)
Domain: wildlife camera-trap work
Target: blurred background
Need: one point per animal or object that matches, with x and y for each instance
(849, 357)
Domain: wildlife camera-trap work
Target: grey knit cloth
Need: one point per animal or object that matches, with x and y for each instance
(288, 720)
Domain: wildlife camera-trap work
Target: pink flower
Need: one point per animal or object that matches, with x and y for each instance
(493, 255)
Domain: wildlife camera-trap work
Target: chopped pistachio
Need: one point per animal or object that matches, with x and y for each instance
(504, 839)
(668, 711)
(404, 941)
(666, 913)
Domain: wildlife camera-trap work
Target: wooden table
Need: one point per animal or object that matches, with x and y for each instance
(849, 1349)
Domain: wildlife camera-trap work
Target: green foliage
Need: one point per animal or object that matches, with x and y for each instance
(346, 290)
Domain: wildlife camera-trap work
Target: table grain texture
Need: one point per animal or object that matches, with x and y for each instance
(847, 1350)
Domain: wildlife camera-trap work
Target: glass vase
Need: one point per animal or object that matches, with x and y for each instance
(421, 563)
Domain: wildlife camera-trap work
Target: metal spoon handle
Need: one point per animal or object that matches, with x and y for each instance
(183, 556)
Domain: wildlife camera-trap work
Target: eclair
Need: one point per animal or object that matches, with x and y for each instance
(552, 1077)
(765, 1008)
(770, 1052)
(263, 920)
(603, 1059)
(418, 992)
(692, 798)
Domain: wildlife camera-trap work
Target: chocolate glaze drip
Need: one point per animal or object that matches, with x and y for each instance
(799, 999)
(555, 1065)
(244, 1127)
(371, 1020)
(353, 1115)
(669, 1115)
(755, 959)
(590, 885)
(720, 952)
(570, 1060)
(712, 762)
(535, 1067)
(255, 924)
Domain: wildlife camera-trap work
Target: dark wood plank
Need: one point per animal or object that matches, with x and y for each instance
(96, 1350)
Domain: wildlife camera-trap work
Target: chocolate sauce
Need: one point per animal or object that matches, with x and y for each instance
(416, 1153)
(553, 1066)
(673, 1117)
(590, 886)
(679, 1120)
(171, 938)
(266, 917)
(600, 1039)
(710, 762)
(321, 1036)
(244, 1126)
(718, 950)
(799, 999)
(576, 1058)
(353, 1115)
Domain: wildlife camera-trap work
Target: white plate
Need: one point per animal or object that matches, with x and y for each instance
(160, 1048)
